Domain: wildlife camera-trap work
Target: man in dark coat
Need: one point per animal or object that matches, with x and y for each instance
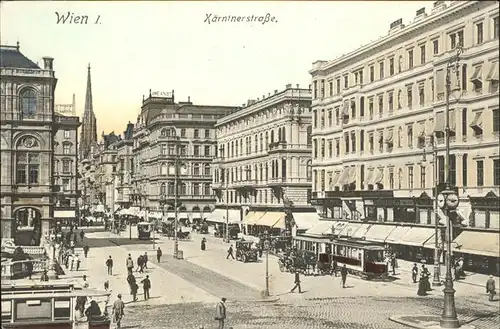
(230, 252)
(140, 264)
(490, 288)
(158, 254)
(297, 282)
(86, 250)
(334, 267)
(146, 285)
(109, 265)
(343, 274)
(145, 260)
(131, 280)
(414, 273)
(82, 235)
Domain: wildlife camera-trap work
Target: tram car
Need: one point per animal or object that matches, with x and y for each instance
(144, 230)
(362, 258)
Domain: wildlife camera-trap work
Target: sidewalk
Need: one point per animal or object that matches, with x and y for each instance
(425, 321)
(166, 288)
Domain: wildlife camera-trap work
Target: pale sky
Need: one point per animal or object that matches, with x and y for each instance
(162, 46)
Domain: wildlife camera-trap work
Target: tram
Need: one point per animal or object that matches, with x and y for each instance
(144, 230)
(361, 258)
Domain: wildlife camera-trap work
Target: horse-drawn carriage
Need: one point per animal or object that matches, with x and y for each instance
(302, 261)
(168, 229)
(244, 251)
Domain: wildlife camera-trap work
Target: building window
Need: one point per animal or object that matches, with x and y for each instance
(330, 149)
(171, 189)
(183, 132)
(196, 189)
(464, 121)
(372, 74)
(66, 184)
(315, 120)
(421, 95)
(391, 179)
(391, 66)
(464, 170)
(330, 86)
(346, 82)
(361, 77)
(206, 169)
(479, 33)
(315, 149)
(422, 54)
(380, 104)
(370, 107)
(207, 189)
(346, 140)
(183, 150)
(410, 59)
(495, 28)
(337, 147)
(163, 189)
(453, 170)
(183, 190)
(370, 142)
(27, 168)
(496, 121)
(196, 150)
(381, 69)
(315, 89)
(28, 103)
(410, 136)
(196, 170)
(477, 79)
(322, 88)
(322, 118)
(460, 36)
(410, 178)
(66, 148)
(207, 133)
(196, 133)
(362, 106)
(322, 148)
(67, 134)
(66, 166)
(207, 150)
(338, 86)
(453, 40)
(362, 140)
(391, 102)
(496, 172)
(410, 97)
(422, 177)
(353, 142)
(435, 45)
(480, 172)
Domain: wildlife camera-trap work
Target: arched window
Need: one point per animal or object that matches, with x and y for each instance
(206, 189)
(164, 169)
(171, 189)
(163, 189)
(272, 136)
(309, 169)
(27, 168)
(206, 170)
(207, 209)
(28, 103)
(183, 189)
(196, 169)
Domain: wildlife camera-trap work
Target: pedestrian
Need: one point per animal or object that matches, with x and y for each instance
(422, 289)
(297, 282)
(131, 280)
(82, 235)
(86, 249)
(109, 265)
(106, 285)
(425, 274)
(130, 264)
(77, 261)
(146, 285)
(158, 254)
(490, 288)
(414, 273)
(230, 252)
(203, 244)
(220, 312)
(80, 305)
(334, 267)
(118, 307)
(343, 274)
(140, 264)
(133, 291)
(145, 260)
(393, 264)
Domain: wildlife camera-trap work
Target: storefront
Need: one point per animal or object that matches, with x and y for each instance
(480, 250)
(411, 245)
(304, 221)
(424, 209)
(485, 211)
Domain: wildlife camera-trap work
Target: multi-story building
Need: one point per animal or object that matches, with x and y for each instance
(167, 133)
(105, 160)
(66, 167)
(264, 162)
(378, 109)
(27, 138)
(125, 168)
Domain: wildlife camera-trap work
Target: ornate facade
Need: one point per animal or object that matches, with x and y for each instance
(28, 124)
(264, 158)
(125, 167)
(166, 131)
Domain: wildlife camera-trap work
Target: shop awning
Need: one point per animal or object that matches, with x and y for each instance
(219, 216)
(379, 233)
(344, 176)
(477, 75)
(335, 179)
(369, 178)
(274, 219)
(352, 175)
(305, 220)
(478, 243)
(311, 239)
(439, 122)
(378, 176)
(417, 236)
(253, 217)
(389, 136)
(361, 231)
(397, 234)
(493, 73)
(477, 122)
(64, 214)
(323, 227)
(348, 229)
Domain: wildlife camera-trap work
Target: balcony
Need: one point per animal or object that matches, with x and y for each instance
(284, 146)
(286, 181)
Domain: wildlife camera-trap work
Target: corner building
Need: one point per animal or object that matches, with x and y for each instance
(264, 163)
(167, 132)
(380, 108)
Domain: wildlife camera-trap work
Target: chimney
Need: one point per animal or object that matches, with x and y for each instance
(149, 93)
(275, 91)
(420, 14)
(269, 95)
(48, 63)
(189, 99)
(298, 86)
(258, 99)
(263, 96)
(396, 25)
(288, 86)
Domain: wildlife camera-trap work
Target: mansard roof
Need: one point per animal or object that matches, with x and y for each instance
(10, 56)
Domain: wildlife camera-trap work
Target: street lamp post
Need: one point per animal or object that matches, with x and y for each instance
(267, 246)
(226, 235)
(176, 196)
(437, 232)
(448, 200)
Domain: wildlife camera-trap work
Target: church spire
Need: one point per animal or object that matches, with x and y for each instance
(89, 127)
(88, 94)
